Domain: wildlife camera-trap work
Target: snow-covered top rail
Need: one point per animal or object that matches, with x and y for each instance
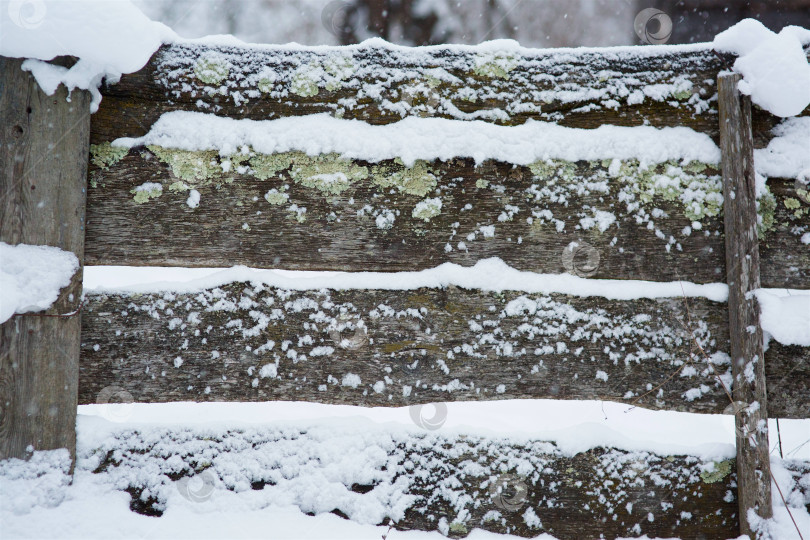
(380, 83)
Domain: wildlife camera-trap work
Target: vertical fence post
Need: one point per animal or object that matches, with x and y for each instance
(43, 173)
(742, 275)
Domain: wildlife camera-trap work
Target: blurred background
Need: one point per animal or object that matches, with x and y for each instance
(534, 23)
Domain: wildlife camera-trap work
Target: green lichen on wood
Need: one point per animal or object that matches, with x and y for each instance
(265, 85)
(720, 470)
(681, 95)
(329, 173)
(105, 155)
(553, 170)
(766, 208)
(266, 166)
(187, 165)
(797, 210)
(276, 197)
(267, 80)
(211, 70)
(427, 209)
(147, 191)
(494, 66)
(305, 80)
(458, 528)
(416, 180)
(700, 194)
(338, 69)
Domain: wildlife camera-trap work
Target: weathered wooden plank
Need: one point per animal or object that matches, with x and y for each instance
(742, 268)
(242, 342)
(430, 481)
(784, 258)
(43, 168)
(576, 88)
(276, 215)
(382, 85)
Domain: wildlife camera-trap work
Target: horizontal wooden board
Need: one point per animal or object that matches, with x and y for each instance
(455, 483)
(382, 85)
(242, 342)
(576, 88)
(585, 88)
(276, 214)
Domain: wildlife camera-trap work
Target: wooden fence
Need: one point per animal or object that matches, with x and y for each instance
(409, 347)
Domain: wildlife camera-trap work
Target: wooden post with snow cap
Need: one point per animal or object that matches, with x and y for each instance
(43, 173)
(742, 274)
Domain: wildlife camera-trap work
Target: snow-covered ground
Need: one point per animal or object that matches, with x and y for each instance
(38, 503)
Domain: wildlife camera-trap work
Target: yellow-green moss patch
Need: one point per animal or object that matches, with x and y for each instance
(191, 166)
(417, 180)
(720, 470)
(494, 66)
(276, 197)
(427, 209)
(305, 80)
(105, 155)
(146, 191)
(211, 70)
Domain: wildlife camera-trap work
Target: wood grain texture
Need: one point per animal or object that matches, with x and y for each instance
(455, 483)
(244, 342)
(382, 85)
(742, 268)
(574, 88)
(43, 168)
(527, 216)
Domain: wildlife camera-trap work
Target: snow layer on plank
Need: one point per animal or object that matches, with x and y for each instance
(788, 153)
(774, 66)
(32, 276)
(503, 46)
(429, 139)
(574, 426)
(785, 315)
(488, 275)
(109, 37)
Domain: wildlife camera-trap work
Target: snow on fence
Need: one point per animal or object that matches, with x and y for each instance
(308, 166)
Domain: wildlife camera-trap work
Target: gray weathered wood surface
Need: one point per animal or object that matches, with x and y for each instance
(577, 88)
(43, 167)
(742, 268)
(243, 342)
(458, 482)
(535, 213)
